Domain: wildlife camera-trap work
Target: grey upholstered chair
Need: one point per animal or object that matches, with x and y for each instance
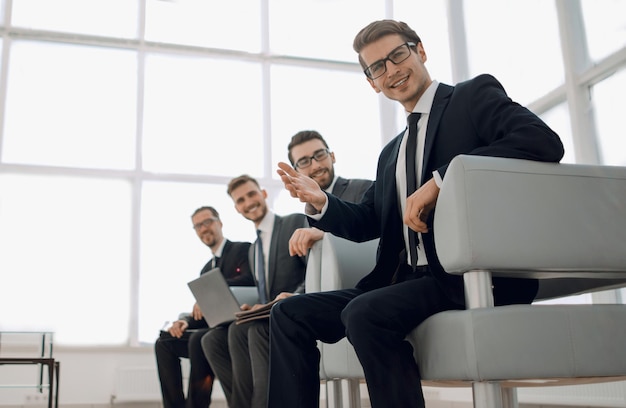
(564, 224)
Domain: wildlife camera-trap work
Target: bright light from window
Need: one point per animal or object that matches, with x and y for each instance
(232, 24)
(202, 116)
(113, 18)
(65, 262)
(70, 105)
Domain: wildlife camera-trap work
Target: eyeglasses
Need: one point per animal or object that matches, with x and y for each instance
(397, 55)
(319, 155)
(206, 223)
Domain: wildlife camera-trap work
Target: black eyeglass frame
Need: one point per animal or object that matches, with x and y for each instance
(368, 71)
(206, 223)
(318, 155)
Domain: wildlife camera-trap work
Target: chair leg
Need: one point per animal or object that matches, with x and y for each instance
(354, 393)
(509, 398)
(487, 395)
(337, 395)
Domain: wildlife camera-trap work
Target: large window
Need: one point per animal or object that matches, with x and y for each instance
(118, 118)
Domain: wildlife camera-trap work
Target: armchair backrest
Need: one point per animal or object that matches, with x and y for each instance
(336, 263)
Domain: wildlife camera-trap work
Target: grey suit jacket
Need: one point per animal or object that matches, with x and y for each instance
(351, 189)
(286, 273)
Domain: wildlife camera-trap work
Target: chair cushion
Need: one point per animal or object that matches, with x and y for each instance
(522, 342)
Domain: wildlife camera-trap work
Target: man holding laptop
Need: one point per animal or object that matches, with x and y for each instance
(182, 339)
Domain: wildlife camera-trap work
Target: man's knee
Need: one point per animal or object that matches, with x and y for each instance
(161, 347)
(211, 340)
(356, 314)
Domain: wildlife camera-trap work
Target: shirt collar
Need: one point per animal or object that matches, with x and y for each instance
(332, 185)
(220, 248)
(267, 223)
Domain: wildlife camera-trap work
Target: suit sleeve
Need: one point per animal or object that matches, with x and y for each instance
(504, 127)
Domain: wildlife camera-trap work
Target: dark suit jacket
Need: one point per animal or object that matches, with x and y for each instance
(475, 117)
(286, 273)
(351, 190)
(235, 267)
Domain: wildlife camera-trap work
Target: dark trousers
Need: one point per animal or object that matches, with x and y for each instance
(240, 357)
(169, 350)
(376, 324)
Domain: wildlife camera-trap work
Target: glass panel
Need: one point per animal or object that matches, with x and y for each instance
(558, 119)
(65, 257)
(112, 18)
(605, 24)
(325, 29)
(70, 105)
(528, 65)
(233, 24)
(350, 122)
(430, 21)
(609, 118)
(171, 252)
(202, 116)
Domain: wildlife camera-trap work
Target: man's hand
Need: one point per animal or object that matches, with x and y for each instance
(196, 313)
(280, 296)
(303, 239)
(302, 187)
(419, 205)
(284, 295)
(178, 328)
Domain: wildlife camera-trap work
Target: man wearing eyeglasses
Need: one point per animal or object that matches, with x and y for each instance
(310, 155)
(182, 338)
(407, 284)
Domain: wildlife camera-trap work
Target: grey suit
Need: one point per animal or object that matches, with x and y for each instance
(242, 366)
(351, 190)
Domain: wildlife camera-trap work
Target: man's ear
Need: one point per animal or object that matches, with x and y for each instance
(373, 85)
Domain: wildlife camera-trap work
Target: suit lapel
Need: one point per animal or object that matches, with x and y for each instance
(442, 96)
(273, 253)
(340, 186)
(389, 181)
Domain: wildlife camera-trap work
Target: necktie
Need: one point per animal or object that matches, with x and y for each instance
(260, 268)
(216, 262)
(411, 179)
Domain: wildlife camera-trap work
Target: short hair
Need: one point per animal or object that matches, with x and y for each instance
(381, 28)
(207, 208)
(301, 137)
(237, 181)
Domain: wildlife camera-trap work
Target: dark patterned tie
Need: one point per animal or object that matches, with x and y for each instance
(411, 179)
(260, 268)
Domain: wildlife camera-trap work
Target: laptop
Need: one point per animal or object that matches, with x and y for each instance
(218, 301)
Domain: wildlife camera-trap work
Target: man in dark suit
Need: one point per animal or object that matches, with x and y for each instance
(182, 339)
(242, 364)
(407, 284)
(310, 155)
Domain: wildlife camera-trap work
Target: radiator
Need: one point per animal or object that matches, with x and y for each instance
(135, 384)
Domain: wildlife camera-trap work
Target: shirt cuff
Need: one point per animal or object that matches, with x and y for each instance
(438, 179)
(316, 216)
